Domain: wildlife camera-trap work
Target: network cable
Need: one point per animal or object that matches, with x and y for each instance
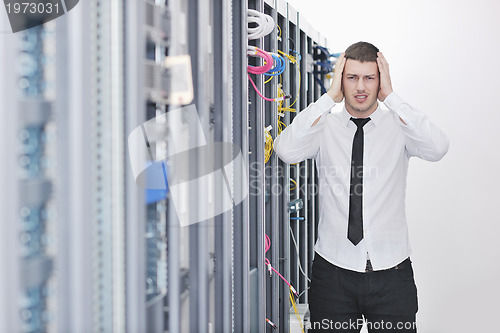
(273, 325)
(292, 290)
(298, 256)
(322, 59)
(281, 109)
(265, 24)
(255, 51)
(281, 114)
(280, 65)
(271, 269)
(278, 69)
(294, 60)
(269, 143)
(277, 99)
(296, 312)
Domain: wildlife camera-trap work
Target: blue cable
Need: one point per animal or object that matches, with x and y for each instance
(321, 85)
(279, 68)
(328, 67)
(323, 61)
(298, 54)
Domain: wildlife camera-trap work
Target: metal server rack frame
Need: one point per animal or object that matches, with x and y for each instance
(272, 215)
(200, 257)
(199, 296)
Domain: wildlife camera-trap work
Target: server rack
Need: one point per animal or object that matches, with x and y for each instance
(269, 211)
(29, 206)
(85, 248)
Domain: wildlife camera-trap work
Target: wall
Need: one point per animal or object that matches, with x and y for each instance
(444, 60)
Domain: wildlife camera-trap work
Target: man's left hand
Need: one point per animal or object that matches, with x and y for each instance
(385, 78)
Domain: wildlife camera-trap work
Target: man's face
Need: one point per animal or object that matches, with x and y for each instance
(360, 85)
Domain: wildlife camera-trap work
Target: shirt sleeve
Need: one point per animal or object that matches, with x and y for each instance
(300, 141)
(424, 139)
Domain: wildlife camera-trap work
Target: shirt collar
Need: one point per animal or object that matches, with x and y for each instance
(375, 116)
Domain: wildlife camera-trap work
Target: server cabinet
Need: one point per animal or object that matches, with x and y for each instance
(84, 246)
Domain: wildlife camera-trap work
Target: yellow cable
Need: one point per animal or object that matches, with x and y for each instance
(282, 109)
(298, 91)
(268, 146)
(293, 181)
(296, 311)
(281, 126)
(280, 104)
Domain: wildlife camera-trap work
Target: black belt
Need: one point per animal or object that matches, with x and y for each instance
(369, 267)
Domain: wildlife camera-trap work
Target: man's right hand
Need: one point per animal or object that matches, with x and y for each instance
(335, 91)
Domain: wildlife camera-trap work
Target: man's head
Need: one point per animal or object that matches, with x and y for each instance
(361, 79)
(362, 51)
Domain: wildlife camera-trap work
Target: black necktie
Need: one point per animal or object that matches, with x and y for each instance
(355, 229)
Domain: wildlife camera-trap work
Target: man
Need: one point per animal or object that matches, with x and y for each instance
(362, 267)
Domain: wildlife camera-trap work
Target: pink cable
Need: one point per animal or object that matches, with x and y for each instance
(268, 263)
(267, 66)
(261, 70)
(281, 276)
(258, 92)
(268, 243)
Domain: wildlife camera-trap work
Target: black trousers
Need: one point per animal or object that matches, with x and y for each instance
(340, 300)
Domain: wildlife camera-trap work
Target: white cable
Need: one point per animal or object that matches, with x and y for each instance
(265, 24)
(298, 256)
(251, 50)
(303, 291)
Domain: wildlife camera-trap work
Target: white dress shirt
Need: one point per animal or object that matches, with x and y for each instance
(388, 146)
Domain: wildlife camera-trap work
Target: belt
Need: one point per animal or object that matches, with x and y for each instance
(369, 267)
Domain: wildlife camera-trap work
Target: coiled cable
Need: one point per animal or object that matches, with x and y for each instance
(268, 58)
(265, 24)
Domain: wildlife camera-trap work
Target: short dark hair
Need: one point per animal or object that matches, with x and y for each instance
(362, 51)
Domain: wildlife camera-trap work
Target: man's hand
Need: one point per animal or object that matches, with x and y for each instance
(335, 91)
(385, 78)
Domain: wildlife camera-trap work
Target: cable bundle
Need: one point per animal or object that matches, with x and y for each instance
(265, 24)
(281, 108)
(322, 59)
(255, 51)
(279, 68)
